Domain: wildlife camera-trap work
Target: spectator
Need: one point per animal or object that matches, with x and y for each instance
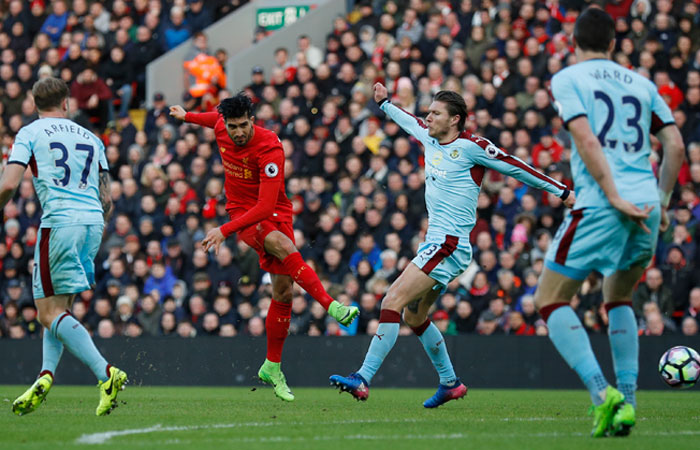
(442, 321)
(56, 21)
(150, 316)
(689, 326)
(199, 16)
(92, 95)
(161, 280)
(653, 290)
(176, 31)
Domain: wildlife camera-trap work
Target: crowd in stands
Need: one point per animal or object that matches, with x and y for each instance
(355, 179)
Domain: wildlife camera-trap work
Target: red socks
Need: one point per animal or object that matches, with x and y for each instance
(277, 328)
(305, 277)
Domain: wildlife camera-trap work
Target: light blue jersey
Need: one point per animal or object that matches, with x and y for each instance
(623, 108)
(65, 160)
(453, 174)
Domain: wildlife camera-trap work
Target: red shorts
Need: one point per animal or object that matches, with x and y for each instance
(255, 235)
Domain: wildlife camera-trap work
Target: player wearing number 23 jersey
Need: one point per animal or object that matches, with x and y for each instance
(622, 107)
(65, 160)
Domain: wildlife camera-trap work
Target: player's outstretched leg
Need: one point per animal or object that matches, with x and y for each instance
(277, 328)
(34, 396)
(305, 277)
(383, 341)
(450, 387)
(109, 389)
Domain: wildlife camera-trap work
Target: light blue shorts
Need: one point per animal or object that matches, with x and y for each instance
(64, 259)
(443, 260)
(601, 239)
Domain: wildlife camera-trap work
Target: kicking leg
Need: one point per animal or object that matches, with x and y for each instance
(624, 342)
(416, 316)
(412, 284)
(277, 328)
(553, 295)
(281, 247)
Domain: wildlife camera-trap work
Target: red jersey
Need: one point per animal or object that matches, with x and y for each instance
(254, 178)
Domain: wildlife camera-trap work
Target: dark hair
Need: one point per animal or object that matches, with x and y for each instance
(235, 107)
(594, 30)
(49, 93)
(455, 106)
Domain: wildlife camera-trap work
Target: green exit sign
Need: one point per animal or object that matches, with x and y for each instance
(279, 17)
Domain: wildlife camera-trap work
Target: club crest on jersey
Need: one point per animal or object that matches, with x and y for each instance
(223, 150)
(271, 170)
(492, 151)
(245, 160)
(454, 154)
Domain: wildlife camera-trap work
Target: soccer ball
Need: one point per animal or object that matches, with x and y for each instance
(680, 367)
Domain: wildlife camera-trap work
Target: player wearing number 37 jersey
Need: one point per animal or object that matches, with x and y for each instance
(71, 179)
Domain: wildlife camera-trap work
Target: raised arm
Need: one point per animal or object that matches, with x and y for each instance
(407, 121)
(494, 158)
(207, 119)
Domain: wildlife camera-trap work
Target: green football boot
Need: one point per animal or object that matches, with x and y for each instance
(271, 373)
(603, 413)
(34, 396)
(343, 314)
(623, 421)
(109, 390)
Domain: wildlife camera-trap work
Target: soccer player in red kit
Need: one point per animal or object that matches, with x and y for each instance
(261, 214)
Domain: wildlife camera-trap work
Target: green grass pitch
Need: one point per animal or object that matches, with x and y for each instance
(203, 418)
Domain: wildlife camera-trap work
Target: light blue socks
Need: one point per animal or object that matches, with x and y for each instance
(624, 344)
(570, 339)
(381, 345)
(77, 340)
(51, 353)
(436, 348)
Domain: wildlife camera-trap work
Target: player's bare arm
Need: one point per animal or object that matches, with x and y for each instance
(674, 153)
(11, 177)
(105, 197)
(592, 155)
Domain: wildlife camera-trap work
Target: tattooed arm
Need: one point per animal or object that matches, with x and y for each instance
(105, 195)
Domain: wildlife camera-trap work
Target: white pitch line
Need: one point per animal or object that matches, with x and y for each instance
(102, 437)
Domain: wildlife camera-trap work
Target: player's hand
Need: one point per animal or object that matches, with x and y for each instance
(213, 240)
(380, 92)
(665, 221)
(633, 212)
(178, 112)
(570, 200)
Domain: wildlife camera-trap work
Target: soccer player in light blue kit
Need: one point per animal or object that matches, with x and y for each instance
(613, 228)
(455, 161)
(69, 167)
